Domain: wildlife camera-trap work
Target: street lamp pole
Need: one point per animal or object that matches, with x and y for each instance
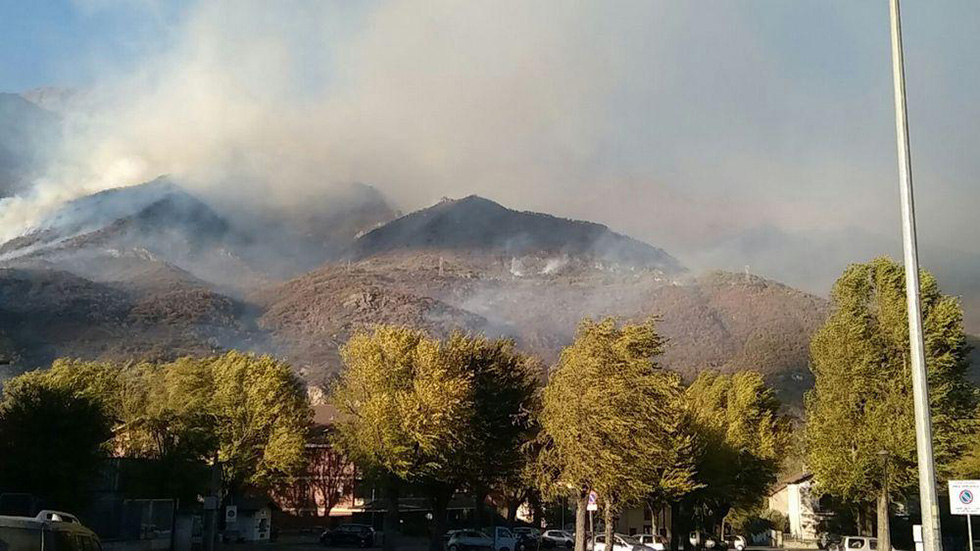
(931, 534)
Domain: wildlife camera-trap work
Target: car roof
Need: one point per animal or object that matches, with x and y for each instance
(51, 520)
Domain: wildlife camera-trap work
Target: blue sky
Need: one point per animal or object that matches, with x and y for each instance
(69, 43)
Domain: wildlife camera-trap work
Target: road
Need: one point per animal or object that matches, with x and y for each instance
(308, 542)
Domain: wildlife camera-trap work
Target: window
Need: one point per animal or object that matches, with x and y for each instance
(855, 544)
(20, 538)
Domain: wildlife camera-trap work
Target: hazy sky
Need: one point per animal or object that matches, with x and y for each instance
(682, 123)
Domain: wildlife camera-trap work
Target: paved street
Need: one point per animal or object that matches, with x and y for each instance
(308, 542)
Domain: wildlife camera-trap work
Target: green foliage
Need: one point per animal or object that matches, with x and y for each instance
(505, 404)
(740, 440)
(425, 410)
(861, 404)
(52, 441)
(250, 411)
(406, 409)
(757, 519)
(260, 414)
(612, 420)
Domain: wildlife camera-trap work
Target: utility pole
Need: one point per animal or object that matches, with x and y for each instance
(931, 533)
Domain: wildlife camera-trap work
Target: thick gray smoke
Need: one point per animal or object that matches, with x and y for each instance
(689, 125)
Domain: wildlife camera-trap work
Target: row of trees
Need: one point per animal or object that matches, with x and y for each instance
(467, 414)
(250, 413)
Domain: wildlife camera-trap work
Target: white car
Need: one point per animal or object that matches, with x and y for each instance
(858, 542)
(622, 543)
(657, 543)
(464, 540)
(738, 543)
(467, 540)
(560, 538)
(701, 540)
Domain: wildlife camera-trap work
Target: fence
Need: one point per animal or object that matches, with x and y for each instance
(147, 521)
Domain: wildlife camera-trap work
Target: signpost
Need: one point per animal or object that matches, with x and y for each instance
(964, 499)
(231, 515)
(592, 506)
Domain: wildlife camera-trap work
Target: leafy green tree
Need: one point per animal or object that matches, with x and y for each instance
(52, 442)
(860, 419)
(261, 415)
(505, 404)
(442, 416)
(611, 420)
(406, 411)
(249, 412)
(740, 440)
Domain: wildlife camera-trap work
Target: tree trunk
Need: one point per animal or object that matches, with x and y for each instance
(480, 512)
(884, 526)
(391, 514)
(862, 515)
(439, 500)
(608, 521)
(534, 503)
(581, 513)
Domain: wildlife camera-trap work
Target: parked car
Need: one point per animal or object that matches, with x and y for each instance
(38, 533)
(467, 540)
(653, 541)
(501, 540)
(856, 542)
(703, 540)
(447, 536)
(359, 535)
(559, 538)
(529, 530)
(622, 542)
(738, 543)
(529, 539)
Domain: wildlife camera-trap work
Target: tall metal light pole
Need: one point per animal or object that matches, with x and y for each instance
(931, 533)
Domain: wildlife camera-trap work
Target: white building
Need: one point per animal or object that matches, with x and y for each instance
(799, 503)
(642, 520)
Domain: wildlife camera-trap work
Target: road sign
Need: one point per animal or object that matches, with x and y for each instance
(964, 497)
(593, 502)
(231, 514)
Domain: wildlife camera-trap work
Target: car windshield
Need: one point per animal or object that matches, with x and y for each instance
(630, 540)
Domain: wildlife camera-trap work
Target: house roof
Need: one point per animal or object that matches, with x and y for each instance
(254, 503)
(797, 479)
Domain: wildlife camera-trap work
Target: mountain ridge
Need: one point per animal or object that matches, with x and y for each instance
(475, 223)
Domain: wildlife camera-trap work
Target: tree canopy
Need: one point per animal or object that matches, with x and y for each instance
(249, 411)
(443, 415)
(52, 441)
(740, 440)
(612, 418)
(860, 418)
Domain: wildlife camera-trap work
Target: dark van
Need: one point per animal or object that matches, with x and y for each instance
(48, 531)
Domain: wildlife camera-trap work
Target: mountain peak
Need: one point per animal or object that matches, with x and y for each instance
(477, 224)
